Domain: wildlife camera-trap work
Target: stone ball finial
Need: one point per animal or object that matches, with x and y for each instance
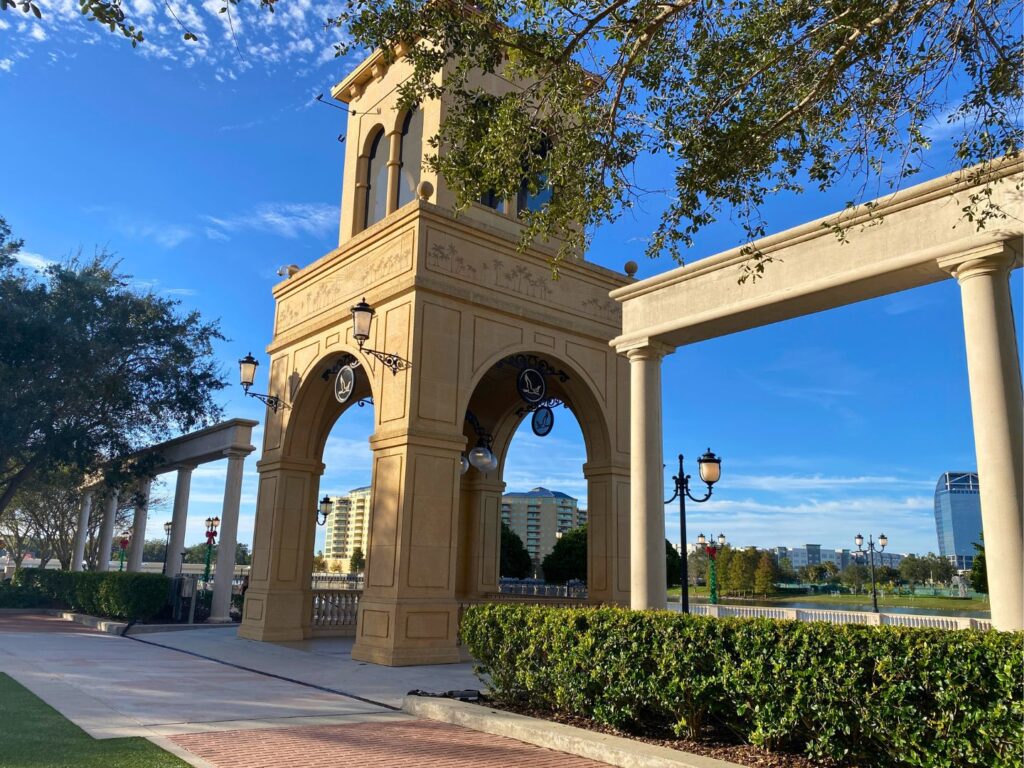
(631, 268)
(424, 190)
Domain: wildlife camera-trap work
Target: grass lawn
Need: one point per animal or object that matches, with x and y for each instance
(34, 735)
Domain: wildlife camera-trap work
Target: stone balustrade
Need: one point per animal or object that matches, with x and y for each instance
(334, 612)
(842, 617)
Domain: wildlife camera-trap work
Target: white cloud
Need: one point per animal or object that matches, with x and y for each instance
(6, 65)
(284, 219)
(38, 33)
(34, 260)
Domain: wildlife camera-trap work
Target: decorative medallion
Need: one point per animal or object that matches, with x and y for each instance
(344, 384)
(531, 385)
(543, 420)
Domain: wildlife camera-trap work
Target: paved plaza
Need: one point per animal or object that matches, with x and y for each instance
(217, 700)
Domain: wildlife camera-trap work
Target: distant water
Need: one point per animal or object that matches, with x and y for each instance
(863, 608)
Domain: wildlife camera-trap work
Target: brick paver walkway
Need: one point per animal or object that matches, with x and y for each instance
(378, 745)
(29, 622)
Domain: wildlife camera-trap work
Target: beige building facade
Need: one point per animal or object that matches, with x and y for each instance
(348, 527)
(469, 312)
(539, 517)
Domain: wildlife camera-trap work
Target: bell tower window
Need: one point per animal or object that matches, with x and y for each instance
(411, 155)
(376, 181)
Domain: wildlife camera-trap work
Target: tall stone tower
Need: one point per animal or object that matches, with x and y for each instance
(470, 315)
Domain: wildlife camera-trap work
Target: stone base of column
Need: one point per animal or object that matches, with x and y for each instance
(407, 634)
(278, 617)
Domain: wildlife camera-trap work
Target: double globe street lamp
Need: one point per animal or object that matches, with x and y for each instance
(883, 540)
(168, 527)
(709, 467)
(712, 552)
(212, 523)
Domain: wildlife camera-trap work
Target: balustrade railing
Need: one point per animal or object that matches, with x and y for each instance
(842, 617)
(335, 610)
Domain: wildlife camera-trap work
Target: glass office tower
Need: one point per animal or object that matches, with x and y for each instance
(958, 517)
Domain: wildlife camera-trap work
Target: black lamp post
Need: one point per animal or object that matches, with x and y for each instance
(362, 317)
(168, 527)
(212, 523)
(247, 375)
(710, 469)
(883, 540)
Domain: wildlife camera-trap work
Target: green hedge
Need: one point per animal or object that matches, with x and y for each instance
(859, 695)
(132, 596)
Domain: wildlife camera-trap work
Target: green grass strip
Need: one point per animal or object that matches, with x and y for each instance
(34, 735)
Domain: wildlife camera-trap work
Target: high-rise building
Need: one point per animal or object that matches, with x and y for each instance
(347, 527)
(539, 517)
(958, 517)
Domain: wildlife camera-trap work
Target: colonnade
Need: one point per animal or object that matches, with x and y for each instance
(996, 405)
(198, 450)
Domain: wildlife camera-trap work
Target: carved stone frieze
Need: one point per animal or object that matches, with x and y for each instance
(355, 278)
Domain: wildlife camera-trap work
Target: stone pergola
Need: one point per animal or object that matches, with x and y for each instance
(912, 238)
(231, 440)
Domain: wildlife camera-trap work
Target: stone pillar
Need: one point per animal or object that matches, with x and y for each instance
(107, 531)
(139, 525)
(179, 520)
(409, 612)
(82, 534)
(993, 371)
(647, 485)
(607, 533)
(479, 535)
(220, 608)
(279, 602)
(394, 168)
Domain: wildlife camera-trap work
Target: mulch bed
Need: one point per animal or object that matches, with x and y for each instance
(741, 754)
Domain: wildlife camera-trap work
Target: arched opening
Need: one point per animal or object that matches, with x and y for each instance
(410, 156)
(376, 180)
(498, 411)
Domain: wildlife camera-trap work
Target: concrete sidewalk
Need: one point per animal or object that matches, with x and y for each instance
(325, 662)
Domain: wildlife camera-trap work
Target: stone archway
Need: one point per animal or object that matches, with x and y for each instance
(496, 404)
(279, 599)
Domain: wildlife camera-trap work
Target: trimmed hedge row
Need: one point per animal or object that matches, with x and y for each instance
(132, 596)
(858, 695)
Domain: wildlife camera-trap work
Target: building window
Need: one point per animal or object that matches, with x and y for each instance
(376, 180)
(410, 155)
(491, 200)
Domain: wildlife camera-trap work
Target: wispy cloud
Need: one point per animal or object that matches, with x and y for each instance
(284, 219)
(34, 260)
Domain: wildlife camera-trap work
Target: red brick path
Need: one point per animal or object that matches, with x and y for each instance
(34, 622)
(376, 745)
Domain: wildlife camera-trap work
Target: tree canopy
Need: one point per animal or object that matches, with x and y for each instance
(737, 100)
(93, 368)
(515, 561)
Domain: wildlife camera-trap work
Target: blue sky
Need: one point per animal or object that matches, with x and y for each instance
(207, 167)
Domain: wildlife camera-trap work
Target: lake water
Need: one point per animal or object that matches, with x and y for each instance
(810, 603)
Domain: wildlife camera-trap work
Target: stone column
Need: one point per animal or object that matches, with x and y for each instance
(608, 571)
(82, 534)
(107, 532)
(220, 608)
(394, 168)
(139, 526)
(996, 407)
(647, 486)
(179, 520)
(479, 559)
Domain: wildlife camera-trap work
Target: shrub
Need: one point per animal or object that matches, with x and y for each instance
(22, 597)
(855, 694)
(133, 596)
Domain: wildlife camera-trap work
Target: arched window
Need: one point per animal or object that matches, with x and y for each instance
(534, 201)
(410, 156)
(491, 200)
(376, 180)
